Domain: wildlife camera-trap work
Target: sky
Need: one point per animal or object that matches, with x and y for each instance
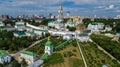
(109, 8)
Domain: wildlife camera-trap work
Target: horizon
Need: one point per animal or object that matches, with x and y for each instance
(108, 8)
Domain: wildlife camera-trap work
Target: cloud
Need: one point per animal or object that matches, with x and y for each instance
(78, 7)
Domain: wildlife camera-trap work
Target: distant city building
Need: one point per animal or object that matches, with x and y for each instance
(4, 57)
(4, 17)
(37, 18)
(117, 17)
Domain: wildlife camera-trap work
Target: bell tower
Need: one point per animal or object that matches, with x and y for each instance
(60, 14)
(49, 47)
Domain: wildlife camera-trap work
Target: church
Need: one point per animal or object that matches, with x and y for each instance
(58, 24)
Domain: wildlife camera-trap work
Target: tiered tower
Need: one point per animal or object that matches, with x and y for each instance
(60, 14)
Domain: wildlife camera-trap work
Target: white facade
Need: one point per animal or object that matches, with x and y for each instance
(67, 36)
(29, 58)
(95, 27)
(28, 33)
(56, 25)
(49, 49)
(61, 32)
(70, 24)
(83, 38)
(1, 23)
(108, 28)
(4, 57)
(40, 32)
(20, 26)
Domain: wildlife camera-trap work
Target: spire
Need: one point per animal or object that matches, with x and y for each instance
(60, 7)
(49, 38)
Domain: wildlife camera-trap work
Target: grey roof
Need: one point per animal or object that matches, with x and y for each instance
(36, 63)
(86, 31)
(83, 35)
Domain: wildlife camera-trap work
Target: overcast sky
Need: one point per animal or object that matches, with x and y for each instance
(76, 7)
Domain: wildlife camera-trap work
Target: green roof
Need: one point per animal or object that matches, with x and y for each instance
(94, 23)
(41, 30)
(20, 33)
(29, 53)
(19, 24)
(70, 21)
(48, 43)
(2, 53)
(51, 21)
(30, 32)
(44, 56)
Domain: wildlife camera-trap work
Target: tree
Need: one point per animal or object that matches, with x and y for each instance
(15, 64)
(1, 65)
(24, 63)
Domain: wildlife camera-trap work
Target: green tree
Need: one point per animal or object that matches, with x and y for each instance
(24, 63)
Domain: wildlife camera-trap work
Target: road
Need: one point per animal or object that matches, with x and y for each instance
(16, 55)
(81, 54)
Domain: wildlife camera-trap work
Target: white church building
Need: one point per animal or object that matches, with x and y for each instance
(4, 57)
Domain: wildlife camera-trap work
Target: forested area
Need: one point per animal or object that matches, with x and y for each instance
(11, 43)
(113, 47)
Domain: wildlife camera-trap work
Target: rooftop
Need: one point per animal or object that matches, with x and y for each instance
(94, 23)
(20, 33)
(51, 21)
(19, 24)
(29, 53)
(41, 30)
(48, 43)
(2, 53)
(30, 32)
(97, 23)
(83, 35)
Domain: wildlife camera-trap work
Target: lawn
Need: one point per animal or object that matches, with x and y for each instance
(71, 55)
(76, 62)
(53, 59)
(95, 57)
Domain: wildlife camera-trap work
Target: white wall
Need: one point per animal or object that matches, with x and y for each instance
(6, 58)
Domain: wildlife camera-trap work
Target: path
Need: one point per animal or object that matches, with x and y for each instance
(100, 48)
(16, 55)
(81, 54)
